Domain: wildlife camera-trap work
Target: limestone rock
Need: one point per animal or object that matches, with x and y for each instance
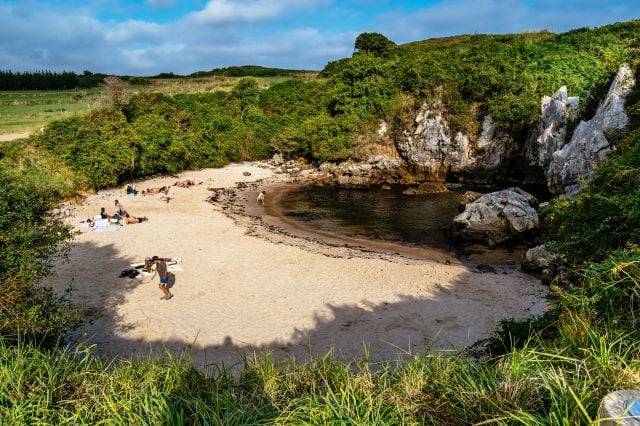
(426, 188)
(433, 149)
(613, 408)
(539, 259)
(277, 160)
(498, 216)
(593, 140)
(468, 197)
(556, 112)
(383, 128)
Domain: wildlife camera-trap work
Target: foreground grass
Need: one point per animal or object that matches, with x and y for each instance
(593, 349)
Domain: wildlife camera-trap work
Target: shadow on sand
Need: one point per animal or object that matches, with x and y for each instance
(447, 320)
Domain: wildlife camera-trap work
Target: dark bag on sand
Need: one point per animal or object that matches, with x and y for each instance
(131, 273)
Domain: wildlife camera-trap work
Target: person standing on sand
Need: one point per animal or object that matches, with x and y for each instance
(163, 273)
(261, 196)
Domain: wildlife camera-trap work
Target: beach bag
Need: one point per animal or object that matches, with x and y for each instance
(129, 273)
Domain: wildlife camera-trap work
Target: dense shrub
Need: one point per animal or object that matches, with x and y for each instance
(29, 241)
(606, 216)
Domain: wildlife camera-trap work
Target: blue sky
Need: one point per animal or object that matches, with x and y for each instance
(146, 37)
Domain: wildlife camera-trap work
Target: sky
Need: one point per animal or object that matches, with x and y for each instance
(147, 37)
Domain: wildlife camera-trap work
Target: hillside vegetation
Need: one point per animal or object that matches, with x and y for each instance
(549, 370)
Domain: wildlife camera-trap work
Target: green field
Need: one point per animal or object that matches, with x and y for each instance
(28, 111)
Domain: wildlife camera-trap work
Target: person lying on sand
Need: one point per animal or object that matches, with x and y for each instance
(185, 183)
(162, 189)
(130, 219)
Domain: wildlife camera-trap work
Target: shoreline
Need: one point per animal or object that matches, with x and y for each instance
(270, 223)
(247, 284)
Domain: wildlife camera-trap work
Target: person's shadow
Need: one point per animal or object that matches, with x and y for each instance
(172, 280)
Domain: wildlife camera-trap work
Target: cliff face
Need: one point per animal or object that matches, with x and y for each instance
(431, 150)
(593, 140)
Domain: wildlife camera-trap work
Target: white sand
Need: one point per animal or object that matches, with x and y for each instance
(240, 293)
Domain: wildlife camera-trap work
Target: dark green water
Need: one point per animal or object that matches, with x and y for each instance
(381, 215)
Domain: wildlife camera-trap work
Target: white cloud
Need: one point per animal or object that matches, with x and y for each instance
(229, 11)
(454, 17)
(134, 31)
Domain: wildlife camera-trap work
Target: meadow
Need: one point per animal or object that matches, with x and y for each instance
(27, 111)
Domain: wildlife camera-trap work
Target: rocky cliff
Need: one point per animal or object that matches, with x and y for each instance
(593, 140)
(433, 150)
(427, 149)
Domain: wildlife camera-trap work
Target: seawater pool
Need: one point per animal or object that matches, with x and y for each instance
(385, 215)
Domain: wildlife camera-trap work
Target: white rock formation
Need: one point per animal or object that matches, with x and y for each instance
(432, 147)
(498, 216)
(593, 140)
(556, 112)
(539, 258)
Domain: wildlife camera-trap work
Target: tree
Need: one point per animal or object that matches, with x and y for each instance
(374, 43)
(115, 93)
(246, 92)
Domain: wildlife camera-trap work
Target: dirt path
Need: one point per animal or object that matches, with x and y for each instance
(12, 136)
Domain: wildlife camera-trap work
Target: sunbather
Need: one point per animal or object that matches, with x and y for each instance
(185, 183)
(130, 219)
(162, 189)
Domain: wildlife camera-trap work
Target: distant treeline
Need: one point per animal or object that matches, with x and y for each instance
(236, 71)
(48, 80)
(248, 71)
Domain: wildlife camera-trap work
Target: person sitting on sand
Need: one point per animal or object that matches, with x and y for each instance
(185, 183)
(130, 219)
(164, 189)
(131, 189)
(260, 199)
(120, 211)
(103, 214)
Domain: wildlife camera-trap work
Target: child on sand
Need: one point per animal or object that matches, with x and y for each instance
(163, 273)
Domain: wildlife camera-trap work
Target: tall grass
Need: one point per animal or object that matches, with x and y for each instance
(557, 381)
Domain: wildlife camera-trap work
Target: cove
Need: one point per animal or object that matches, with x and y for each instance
(386, 215)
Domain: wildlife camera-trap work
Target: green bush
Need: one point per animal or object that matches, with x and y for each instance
(30, 239)
(606, 216)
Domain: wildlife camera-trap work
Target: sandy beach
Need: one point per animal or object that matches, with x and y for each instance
(240, 287)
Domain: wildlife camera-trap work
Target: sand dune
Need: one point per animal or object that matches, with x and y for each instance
(240, 292)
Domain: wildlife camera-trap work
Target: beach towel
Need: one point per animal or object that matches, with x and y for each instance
(112, 228)
(633, 407)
